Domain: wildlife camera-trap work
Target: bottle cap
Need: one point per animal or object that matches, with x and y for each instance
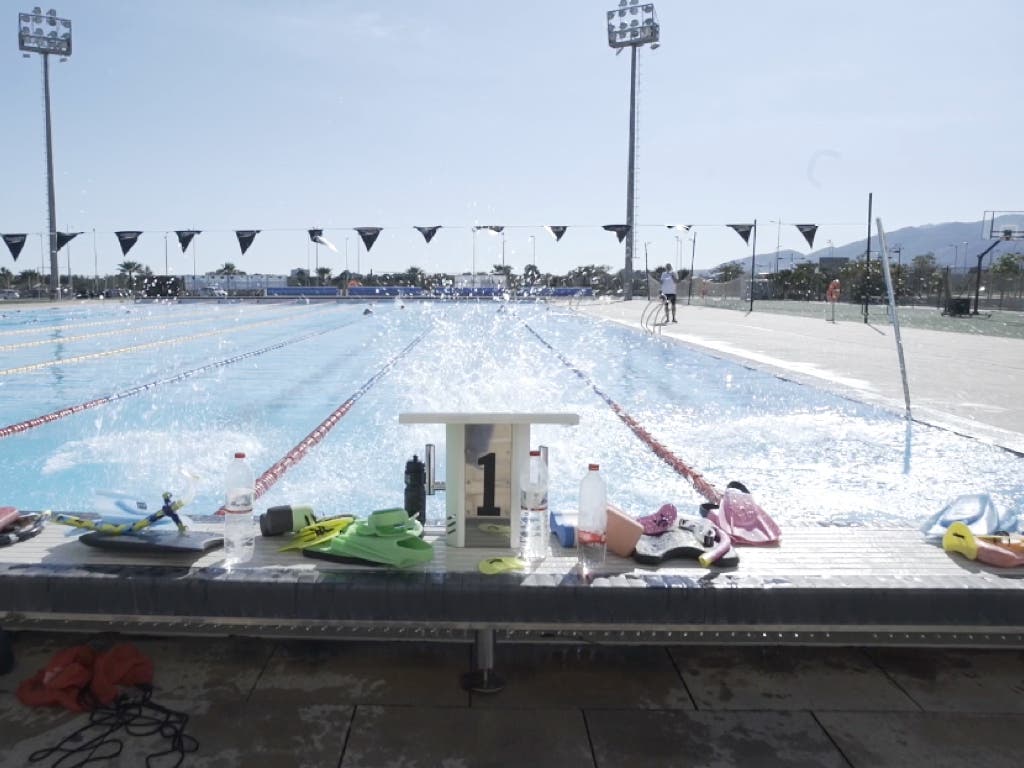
(593, 467)
(535, 453)
(239, 455)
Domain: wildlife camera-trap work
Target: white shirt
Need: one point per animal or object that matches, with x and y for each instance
(668, 282)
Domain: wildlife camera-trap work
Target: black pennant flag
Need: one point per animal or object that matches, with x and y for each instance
(63, 238)
(185, 237)
(245, 238)
(369, 236)
(315, 235)
(743, 230)
(15, 243)
(620, 230)
(556, 231)
(427, 232)
(808, 231)
(127, 240)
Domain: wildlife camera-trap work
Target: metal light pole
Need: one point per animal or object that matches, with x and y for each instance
(632, 25)
(46, 34)
(165, 254)
(533, 242)
(647, 271)
(693, 255)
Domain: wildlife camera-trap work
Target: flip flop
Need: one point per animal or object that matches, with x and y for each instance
(493, 565)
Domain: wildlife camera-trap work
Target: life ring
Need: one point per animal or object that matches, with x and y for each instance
(832, 294)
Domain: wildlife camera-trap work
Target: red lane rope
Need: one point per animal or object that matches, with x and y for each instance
(265, 481)
(38, 421)
(697, 480)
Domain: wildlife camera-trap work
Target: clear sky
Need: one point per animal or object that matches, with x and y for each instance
(282, 116)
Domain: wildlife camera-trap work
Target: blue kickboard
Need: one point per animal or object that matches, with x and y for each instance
(564, 528)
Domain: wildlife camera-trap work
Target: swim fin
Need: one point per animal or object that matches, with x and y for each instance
(742, 518)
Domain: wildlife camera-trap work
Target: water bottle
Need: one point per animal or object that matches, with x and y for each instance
(592, 527)
(416, 489)
(533, 510)
(239, 492)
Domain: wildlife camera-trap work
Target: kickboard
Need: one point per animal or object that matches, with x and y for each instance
(154, 541)
(679, 543)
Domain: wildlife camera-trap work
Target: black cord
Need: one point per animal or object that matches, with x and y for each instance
(138, 716)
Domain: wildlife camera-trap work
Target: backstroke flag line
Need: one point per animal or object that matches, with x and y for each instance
(127, 240)
(317, 236)
(14, 244)
(245, 238)
(185, 237)
(743, 230)
(427, 232)
(620, 230)
(369, 236)
(556, 231)
(63, 238)
(808, 231)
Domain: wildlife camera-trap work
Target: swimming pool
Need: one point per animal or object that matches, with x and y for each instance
(122, 398)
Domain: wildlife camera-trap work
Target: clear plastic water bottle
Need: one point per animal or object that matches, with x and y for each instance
(592, 527)
(533, 509)
(239, 529)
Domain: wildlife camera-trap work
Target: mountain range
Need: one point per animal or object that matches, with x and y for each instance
(952, 243)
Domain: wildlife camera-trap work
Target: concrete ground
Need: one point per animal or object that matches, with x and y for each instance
(307, 703)
(304, 703)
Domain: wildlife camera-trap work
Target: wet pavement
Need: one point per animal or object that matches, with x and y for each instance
(349, 704)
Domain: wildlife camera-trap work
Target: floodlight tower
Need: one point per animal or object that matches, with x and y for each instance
(632, 25)
(46, 34)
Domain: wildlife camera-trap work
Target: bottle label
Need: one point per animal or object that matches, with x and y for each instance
(586, 538)
(239, 501)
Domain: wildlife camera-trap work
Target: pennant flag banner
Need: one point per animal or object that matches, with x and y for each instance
(317, 236)
(620, 230)
(808, 231)
(185, 237)
(63, 238)
(495, 228)
(743, 230)
(245, 238)
(427, 232)
(127, 240)
(369, 236)
(556, 232)
(15, 243)
(679, 226)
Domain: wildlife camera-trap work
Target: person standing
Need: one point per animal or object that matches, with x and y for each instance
(668, 290)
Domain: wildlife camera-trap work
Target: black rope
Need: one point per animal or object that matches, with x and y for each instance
(139, 716)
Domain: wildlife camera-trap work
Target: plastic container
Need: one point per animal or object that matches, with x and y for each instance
(239, 527)
(592, 527)
(533, 510)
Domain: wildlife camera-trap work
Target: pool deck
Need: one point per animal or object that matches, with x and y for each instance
(969, 383)
(839, 648)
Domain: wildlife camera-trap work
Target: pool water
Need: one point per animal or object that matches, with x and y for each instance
(137, 394)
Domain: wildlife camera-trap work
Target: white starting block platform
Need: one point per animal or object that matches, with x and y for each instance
(485, 454)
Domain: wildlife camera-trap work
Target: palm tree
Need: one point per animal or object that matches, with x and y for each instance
(323, 275)
(129, 268)
(6, 275)
(414, 275)
(227, 268)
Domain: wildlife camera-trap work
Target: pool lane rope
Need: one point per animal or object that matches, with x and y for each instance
(38, 421)
(696, 479)
(134, 348)
(265, 481)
